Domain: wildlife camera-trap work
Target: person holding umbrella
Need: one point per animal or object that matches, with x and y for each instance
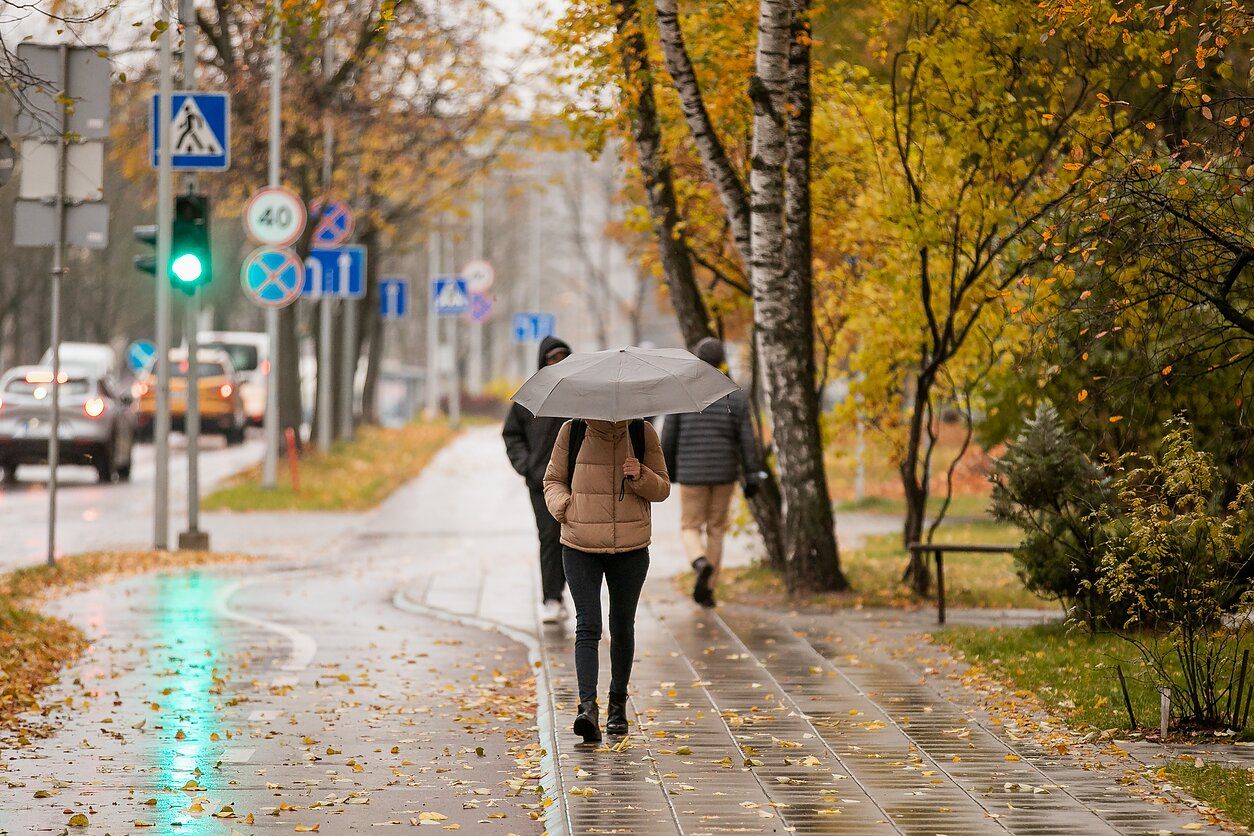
(705, 453)
(606, 471)
(529, 444)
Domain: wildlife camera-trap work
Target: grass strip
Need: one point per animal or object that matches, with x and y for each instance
(352, 476)
(1227, 788)
(35, 647)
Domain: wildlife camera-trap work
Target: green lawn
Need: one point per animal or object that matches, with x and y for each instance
(1230, 789)
(352, 476)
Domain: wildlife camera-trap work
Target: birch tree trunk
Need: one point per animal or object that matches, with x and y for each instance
(782, 313)
(659, 183)
(813, 553)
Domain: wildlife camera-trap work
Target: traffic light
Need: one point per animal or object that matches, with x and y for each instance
(191, 262)
(191, 265)
(147, 234)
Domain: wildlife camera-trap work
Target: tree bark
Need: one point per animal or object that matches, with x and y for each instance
(780, 288)
(810, 526)
(915, 485)
(718, 167)
(690, 310)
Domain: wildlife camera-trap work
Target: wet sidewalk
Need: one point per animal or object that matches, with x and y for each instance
(389, 670)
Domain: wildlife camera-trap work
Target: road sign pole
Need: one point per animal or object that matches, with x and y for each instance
(165, 212)
(348, 365)
(326, 383)
(58, 267)
(193, 537)
(455, 388)
(432, 383)
(270, 464)
(476, 325)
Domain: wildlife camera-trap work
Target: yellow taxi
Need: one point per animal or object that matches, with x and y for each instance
(221, 406)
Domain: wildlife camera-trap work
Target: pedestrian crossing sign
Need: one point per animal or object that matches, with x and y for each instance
(450, 295)
(200, 132)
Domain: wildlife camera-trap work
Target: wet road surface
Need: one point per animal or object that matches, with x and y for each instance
(106, 516)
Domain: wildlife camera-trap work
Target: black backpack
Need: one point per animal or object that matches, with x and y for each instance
(579, 428)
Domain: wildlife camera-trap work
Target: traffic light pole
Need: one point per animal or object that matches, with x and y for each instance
(193, 537)
(165, 217)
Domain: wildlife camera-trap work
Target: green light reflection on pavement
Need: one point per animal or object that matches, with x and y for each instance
(183, 664)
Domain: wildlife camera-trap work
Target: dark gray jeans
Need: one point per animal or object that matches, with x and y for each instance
(624, 575)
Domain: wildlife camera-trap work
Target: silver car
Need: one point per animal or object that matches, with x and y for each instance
(97, 424)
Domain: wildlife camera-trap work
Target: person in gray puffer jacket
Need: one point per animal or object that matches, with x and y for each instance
(706, 454)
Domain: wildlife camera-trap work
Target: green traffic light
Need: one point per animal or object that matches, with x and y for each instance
(187, 268)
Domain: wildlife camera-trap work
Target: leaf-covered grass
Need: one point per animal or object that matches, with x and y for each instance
(352, 476)
(1230, 789)
(34, 647)
(1070, 671)
(976, 580)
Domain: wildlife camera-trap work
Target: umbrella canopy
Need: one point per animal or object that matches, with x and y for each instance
(622, 384)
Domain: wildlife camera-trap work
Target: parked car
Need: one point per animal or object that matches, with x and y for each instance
(92, 359)
(221, 408)
(250, 355)
(97, 427)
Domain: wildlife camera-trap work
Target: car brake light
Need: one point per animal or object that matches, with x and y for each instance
(265, 367)
(1, 404)
(45, 377)
(94, 407)
(226, 390)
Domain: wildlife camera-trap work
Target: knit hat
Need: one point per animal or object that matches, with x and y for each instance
(711, 351)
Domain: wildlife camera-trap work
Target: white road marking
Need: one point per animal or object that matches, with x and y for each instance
(237, 755)
(303, 645)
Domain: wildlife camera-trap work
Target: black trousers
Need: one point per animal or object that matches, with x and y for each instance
(624, 575)
(552, 578)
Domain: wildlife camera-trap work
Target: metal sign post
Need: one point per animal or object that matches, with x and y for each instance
(270, 464)
(65, 114)
(58, 256)
(165, 213)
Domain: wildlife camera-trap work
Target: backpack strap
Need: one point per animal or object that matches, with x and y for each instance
(578, 429)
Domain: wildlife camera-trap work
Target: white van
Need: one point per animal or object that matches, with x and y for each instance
(250, 354)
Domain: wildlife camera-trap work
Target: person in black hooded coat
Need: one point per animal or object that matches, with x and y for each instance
(529, 444)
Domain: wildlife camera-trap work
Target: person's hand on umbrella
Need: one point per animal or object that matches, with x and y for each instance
(631, 467)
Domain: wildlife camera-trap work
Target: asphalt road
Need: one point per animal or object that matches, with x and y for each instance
(96, 516)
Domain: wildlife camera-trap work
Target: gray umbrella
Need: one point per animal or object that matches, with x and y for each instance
(624, 383)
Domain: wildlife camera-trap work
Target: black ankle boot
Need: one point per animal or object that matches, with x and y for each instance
(701, 587)
(587, 724)
(616, 715)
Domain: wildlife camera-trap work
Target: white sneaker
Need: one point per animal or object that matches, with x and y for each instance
(552, 612)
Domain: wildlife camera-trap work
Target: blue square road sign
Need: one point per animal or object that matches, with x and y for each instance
(200, 133)
(338, 272)
(394, 298)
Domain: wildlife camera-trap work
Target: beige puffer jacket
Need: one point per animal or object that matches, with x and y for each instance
(593, 518)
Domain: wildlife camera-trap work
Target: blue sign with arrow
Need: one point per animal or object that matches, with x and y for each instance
(394, 298)
(338, 272)
(533, 326)
(200, 134)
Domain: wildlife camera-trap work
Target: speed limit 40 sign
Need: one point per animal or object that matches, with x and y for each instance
(275, 215)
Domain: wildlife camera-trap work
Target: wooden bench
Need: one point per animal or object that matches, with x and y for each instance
(938, 550)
